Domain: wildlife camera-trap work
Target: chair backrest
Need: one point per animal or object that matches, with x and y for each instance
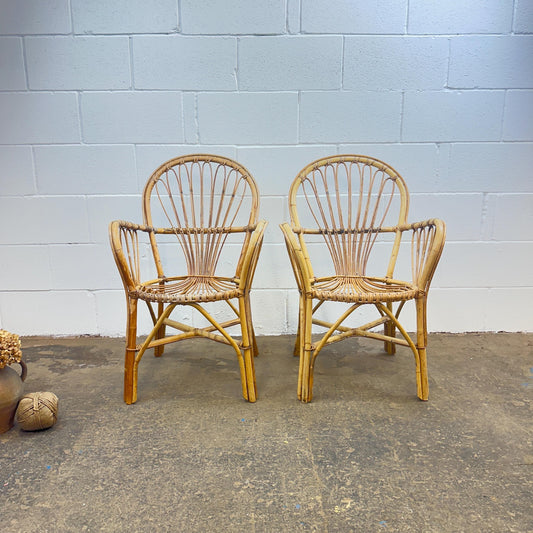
(202, 200)
(349, 200)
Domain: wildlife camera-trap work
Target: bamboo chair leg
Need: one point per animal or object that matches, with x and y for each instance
(250, 325)
(306, 352)
(421, 342)
(300, 345)
(296, 351)
(130, 381)
(158, 350)
(390, 331)
(248, 356)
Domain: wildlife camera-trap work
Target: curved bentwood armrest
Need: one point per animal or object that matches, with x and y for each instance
(427, 243)
(251, 256)
(124, 240)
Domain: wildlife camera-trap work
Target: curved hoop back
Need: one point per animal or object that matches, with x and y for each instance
(200, 191)
(349, 200)
(202, 199)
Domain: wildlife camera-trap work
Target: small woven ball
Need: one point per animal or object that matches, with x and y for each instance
(37, 410)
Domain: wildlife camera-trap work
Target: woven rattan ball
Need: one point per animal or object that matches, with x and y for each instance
(37, 410)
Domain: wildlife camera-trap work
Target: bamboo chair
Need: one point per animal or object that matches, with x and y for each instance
(357, 206)
(197, 209)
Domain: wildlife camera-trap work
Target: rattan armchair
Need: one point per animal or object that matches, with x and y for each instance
(200, 240)
(353, 209)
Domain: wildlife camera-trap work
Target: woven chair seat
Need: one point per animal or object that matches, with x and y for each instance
(362, 289)
(188, 289)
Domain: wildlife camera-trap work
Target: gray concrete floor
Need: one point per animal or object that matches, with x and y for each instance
(192, 456)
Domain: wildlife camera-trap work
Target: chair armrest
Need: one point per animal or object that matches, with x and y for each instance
(427, 243)
(297, 258)
(251, 256)
(124, 241)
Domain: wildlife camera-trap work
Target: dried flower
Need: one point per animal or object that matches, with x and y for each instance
(9, 348)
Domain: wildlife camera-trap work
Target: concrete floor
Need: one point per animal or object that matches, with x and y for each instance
(192, 456)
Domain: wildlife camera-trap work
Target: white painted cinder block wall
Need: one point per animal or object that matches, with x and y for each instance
(94, 94)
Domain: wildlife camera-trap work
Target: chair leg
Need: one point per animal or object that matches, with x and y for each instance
(422, 386)
(250, 325)
(305, 374)
(158, 350)
(296, 351)
(130, 378)
(248, 379)
(390, 331)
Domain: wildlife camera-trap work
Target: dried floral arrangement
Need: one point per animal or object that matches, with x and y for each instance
(10, 351)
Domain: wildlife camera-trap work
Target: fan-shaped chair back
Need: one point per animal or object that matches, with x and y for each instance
(349, 200)
(202, 199)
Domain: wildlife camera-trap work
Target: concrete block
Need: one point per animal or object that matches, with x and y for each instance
(29, 118)
(274, 268)
(491, 167)
(49, 313)
(275, 167)
(395, 63)
(85, 170)
(16, 170)
(184, 63)
(456, 16)
(274, 210)
(83, 266)
(457, 310)
(463, 213)
(290, 63)
(34, 17)
(125, 16)
(247, 118)
(452, 116)
(78, 63)
(518, 116)
(510, 217)
(25, 268)
(473, 265)
(150, 157)
(491, 62)
(235, 17)
(132, 117)
(293, 16)
(346, 16)
(517, 305)
(190, 124)
(340, 117)
(111, 314)
(104, 209)
(269, 311)
(37, 220)
(318, 254)
(13, 76)
(293, 298)
(523, 18)
(421, 165)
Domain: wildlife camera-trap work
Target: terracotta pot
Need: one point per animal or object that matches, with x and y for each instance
(11, 390)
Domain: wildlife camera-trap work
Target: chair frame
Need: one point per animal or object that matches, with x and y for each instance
(201, 244)
(350, 239)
